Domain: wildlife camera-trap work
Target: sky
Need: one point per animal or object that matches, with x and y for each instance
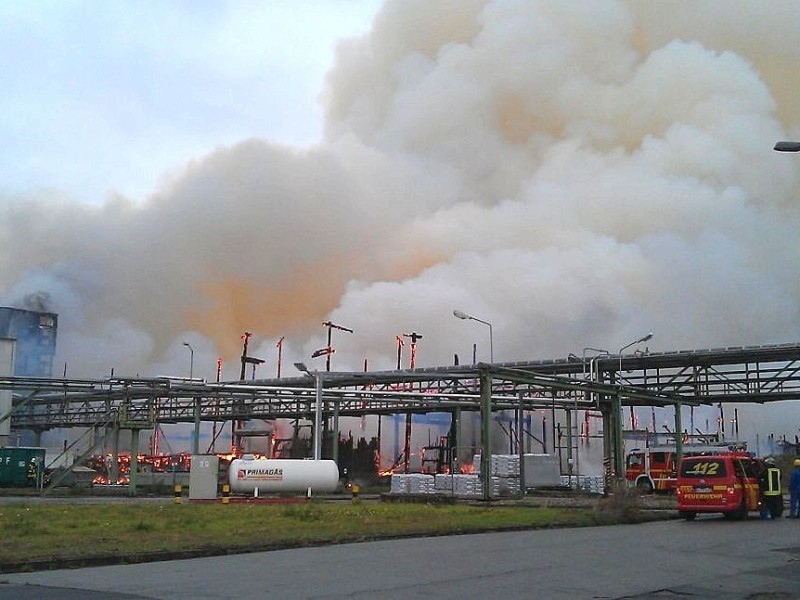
(576, 174)
(110, 98)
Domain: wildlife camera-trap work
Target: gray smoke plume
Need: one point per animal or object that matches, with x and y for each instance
(38, 301)
(576, 174)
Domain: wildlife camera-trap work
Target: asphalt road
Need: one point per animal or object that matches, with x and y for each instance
(708, 558)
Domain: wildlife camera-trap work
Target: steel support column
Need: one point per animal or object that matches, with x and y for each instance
(455, 440)
(619, 450)
(114, 466)
(486, 433)
(520, 445)
(335, 441)
(134, 464)
(606, 409)
(407, 445)
(318, 416)
(570, 442)
(678, 432)
(196, 437)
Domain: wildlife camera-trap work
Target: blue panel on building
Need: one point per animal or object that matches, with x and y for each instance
(35, 334)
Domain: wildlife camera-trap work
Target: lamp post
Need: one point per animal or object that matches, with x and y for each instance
(191, 359)
(619, 373)
(639, 341)
(317, 407)
(196, 436)
(619, 463)
(462, 315)
(787, 146)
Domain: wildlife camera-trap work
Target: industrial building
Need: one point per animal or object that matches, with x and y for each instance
(35, 336)
(568, 388)
(27, 349)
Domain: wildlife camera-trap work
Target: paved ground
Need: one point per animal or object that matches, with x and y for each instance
(707, 558)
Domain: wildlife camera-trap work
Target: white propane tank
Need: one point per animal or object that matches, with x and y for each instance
(271, 475)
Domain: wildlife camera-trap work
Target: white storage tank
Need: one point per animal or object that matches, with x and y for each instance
(270, 475)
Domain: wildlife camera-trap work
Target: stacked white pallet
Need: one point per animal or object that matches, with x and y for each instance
(505, 473)
(503, 465)
(443, 482)
(593, 484)
(505, 486)
(400, 483)
(466, 486)
(420, 484)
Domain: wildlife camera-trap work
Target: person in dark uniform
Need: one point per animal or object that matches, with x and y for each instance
(771, 492)
(32, 473)
(794, 491)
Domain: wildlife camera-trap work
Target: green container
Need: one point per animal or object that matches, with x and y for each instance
(20, 466)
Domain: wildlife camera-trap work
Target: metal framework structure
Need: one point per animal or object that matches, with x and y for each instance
(606, 382)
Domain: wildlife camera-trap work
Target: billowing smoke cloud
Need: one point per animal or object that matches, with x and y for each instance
(575, 174)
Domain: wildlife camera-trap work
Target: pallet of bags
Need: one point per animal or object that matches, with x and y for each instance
(420, 484)
(592, 484)
(467, 486)
(503, 465)
(400, 483)
(443, 483)
(505, 486)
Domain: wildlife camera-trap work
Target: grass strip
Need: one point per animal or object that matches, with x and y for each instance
(71, 533)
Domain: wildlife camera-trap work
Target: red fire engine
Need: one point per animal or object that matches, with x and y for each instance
(726, 483)
(655, 468)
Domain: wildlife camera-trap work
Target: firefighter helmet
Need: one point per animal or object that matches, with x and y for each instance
(797, 462)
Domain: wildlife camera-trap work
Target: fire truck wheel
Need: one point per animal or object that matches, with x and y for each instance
(689, 516)
(644, 486)
(738, 514)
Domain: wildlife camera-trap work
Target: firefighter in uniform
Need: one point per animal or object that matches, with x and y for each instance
(794, 490)
(771, 492)
(32, 472)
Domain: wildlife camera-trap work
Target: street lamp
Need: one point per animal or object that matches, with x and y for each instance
(618, 459)
(196, 437)
(787, 146)
(317, 408)
(639, 341)
(191, 359)
(462, 315)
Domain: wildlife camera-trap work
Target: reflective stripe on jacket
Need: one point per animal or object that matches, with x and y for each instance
(773, 482)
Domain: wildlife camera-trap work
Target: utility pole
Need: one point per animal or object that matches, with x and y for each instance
(400, 343)
(414, 337)
(279, 345)
(412, 362)
(246, 360)
(330, 327)
(246, 337)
